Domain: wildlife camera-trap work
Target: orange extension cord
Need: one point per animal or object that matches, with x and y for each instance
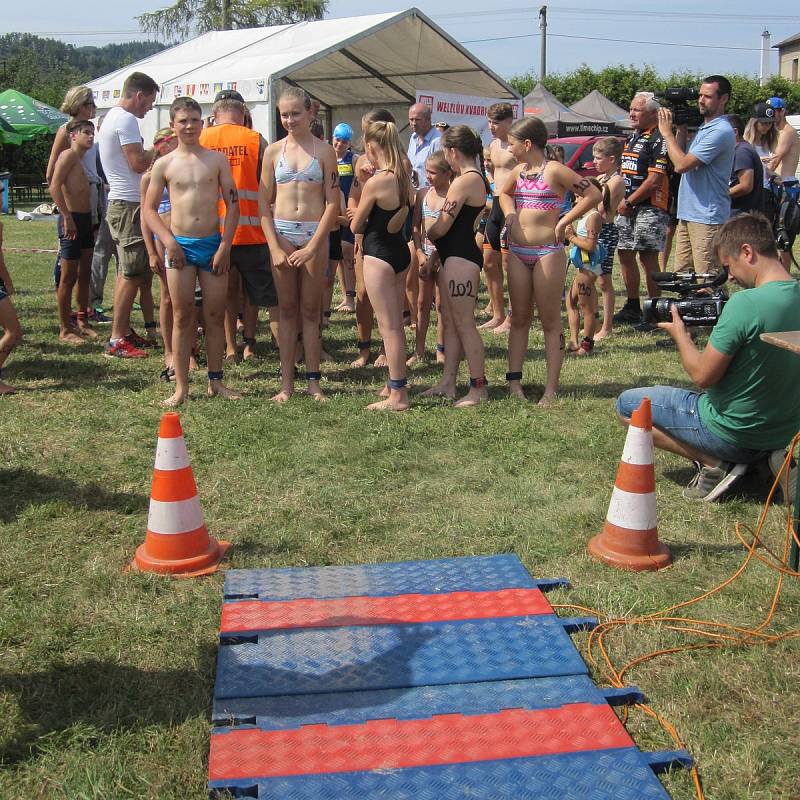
(722, 634)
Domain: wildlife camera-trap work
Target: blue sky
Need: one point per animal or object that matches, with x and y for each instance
(724, 37)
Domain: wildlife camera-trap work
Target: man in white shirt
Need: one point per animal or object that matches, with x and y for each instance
(124, 159)
(425, 139)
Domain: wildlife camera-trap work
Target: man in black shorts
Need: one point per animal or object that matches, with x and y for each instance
(643, 216)
(249, 255)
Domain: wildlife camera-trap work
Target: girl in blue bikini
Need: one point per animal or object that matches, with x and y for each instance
(532, 200)
(300, 179)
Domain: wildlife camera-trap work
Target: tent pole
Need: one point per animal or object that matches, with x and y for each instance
(271, 128)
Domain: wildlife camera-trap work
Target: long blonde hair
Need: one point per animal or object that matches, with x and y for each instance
(384, 135)
(767, 140)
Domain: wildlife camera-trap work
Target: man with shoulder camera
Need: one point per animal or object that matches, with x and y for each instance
(703, 199)
(746, 411)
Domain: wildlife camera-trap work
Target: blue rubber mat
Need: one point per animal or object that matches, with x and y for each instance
(478, 573)
(309, 661)
(620, 774)
(343, 708)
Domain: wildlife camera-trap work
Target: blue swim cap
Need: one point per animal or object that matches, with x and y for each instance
(343, 131)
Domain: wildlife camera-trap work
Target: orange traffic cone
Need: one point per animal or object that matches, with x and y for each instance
(629, 538)
(177, 540)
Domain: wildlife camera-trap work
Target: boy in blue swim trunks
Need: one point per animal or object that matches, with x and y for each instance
(194, 249)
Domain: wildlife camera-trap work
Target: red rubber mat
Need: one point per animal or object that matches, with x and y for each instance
(260, 615)
(393, 744)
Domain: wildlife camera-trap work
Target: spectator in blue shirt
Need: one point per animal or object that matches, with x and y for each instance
(704, 202)
(425, 139)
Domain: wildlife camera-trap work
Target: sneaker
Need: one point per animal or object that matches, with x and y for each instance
(123, 349)
(98, 317)
(775, 461)
(138, 341)
(628, 315)
(712, 482)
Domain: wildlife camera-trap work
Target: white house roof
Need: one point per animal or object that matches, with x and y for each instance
(381, 58)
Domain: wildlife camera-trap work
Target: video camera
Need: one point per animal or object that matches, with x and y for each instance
(682, 102)
(698, 308)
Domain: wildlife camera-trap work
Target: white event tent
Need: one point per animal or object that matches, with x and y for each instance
(349, 65)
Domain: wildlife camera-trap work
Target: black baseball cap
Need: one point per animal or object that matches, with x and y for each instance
(763, 112)
(228, 94)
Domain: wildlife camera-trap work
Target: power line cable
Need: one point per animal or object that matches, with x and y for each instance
(605, 39)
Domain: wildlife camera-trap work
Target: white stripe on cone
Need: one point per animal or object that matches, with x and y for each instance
(182, 516)
(632, 510)
(171, 454)
(638, 446)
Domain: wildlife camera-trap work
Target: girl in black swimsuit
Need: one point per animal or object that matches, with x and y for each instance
(382, 210)
(454, 236)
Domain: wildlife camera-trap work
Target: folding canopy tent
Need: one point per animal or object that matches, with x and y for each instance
(27, 116)
(598, 106)
(559, 119)
(349, 65)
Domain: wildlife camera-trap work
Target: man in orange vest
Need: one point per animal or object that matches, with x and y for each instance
(249, 255)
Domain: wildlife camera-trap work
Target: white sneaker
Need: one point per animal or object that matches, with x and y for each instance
(788, 482)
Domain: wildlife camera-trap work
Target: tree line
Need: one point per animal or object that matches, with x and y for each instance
(620, 83)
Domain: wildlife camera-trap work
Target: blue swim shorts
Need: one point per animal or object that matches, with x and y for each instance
(199, 252)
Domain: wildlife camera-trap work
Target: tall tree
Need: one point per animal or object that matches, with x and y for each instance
(199, 16)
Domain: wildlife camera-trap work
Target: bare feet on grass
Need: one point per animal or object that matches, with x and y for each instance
(219, 389)
(602, 334)
(70, 336)
(397, 402)
(503, 327)
(473, 397)
(316, 392)
(547, 399)
(381, 361)
(362, 360)
(282, 396)
(5, 388)
(174, 400)
(515, 390)
(441, 390)
(492, 324)
(346, 307)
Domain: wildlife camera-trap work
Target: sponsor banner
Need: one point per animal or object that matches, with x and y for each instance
(460, 109)
(585, 128)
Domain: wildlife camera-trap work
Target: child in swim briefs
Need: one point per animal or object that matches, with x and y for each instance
(199, 252)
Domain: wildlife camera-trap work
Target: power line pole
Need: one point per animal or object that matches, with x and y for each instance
(543, 54)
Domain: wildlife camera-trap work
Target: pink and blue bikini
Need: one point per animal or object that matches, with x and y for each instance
(535, 193)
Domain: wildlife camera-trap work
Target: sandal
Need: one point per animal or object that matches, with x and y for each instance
(586, 346)
(167, 374)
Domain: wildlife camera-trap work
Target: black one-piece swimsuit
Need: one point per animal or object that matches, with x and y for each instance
(379, 243)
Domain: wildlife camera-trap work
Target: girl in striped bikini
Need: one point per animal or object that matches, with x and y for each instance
(300, 173)
(531, 200)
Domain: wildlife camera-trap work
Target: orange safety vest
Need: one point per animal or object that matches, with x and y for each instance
(241, 146)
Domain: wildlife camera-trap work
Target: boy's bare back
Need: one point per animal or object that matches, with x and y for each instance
(70, 173)
(194, 181)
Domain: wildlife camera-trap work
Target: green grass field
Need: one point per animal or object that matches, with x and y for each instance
(106, 678)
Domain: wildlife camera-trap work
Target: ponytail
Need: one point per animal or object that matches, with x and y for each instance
(385, 136)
